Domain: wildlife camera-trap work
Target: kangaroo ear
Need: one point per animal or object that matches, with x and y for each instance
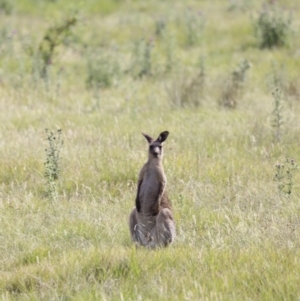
(149, 139)
(163, 136)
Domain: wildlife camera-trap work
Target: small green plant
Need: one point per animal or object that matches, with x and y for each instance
(52, 163)
(142, 58)
(277, 77)
(53, 37)
(194, 24)
(239, 5)
(273, 26)
(170, 49)
(277, 120)
(146, 63)
(160, 25)
(284, 175)
(234, 85)
(280, 78)
(292, 88)
(5, 41)
(188, 91)
(101, 69)
(6, 7)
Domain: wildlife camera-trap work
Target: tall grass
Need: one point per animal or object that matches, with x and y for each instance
(237, 229)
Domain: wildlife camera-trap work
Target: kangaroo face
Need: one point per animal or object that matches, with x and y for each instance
(155, 149)
(156, 146)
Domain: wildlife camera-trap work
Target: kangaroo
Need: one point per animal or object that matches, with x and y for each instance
(151, 222)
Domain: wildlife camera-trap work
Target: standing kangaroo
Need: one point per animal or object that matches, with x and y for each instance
(151, 222)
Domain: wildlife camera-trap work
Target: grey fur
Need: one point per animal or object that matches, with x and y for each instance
(151, 222)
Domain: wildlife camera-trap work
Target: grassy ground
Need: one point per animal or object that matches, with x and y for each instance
(128, 67)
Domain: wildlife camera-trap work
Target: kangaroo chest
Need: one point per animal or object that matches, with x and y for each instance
(150, 189)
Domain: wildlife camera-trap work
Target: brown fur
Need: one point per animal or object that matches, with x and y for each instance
(164, 203)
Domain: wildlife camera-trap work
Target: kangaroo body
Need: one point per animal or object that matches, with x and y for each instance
(151, 221)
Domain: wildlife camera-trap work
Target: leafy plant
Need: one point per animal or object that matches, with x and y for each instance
(277, 120)
(280, 78)
(53, 37)
(142, 58)
(188, 91)
(52, 163)
(6, 7)
(160, 25)
(292, 88)
(239, 5)
(234, 85)
(194, 24)
(170, 46)
(6, 41)
(272, 27)
(284, 175)
(101, 68)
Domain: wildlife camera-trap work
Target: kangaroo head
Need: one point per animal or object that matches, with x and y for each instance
(155, 146)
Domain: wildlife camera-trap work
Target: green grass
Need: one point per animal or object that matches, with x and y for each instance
(237, 235)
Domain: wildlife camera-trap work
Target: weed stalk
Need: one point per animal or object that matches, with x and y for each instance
(52, 163)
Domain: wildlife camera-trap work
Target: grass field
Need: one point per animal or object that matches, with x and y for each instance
(126, 67)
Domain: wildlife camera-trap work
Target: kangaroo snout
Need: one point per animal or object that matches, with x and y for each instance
(155, 149)
(156, 152)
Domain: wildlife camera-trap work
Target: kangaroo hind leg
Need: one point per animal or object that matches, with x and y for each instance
(133, 223)
(164, 232)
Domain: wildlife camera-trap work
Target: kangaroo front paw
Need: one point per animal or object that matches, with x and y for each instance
(149, 237)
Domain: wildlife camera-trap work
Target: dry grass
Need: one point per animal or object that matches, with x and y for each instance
(238, 236)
